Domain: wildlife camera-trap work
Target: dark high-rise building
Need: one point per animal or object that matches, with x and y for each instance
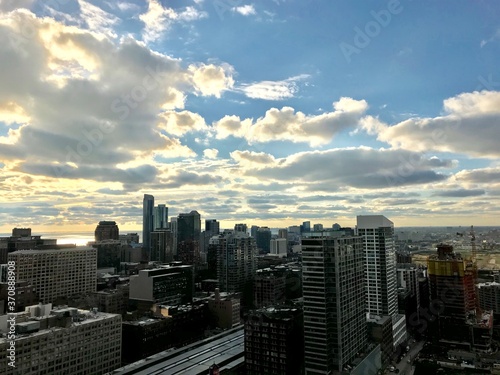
(160, 217)
(263, 240)
(240, 228)
(188, 237)
(212, 227)
(106, 230)
(148, 204)
(335, 328)
(253, 231)
(305, 227)
(162, 246)
(168, 285)
(274, 341)
(269, 288)
(188, 227)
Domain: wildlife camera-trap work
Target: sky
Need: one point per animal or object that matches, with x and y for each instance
(268, 112)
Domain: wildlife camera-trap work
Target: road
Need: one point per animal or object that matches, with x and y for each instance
(406, 368)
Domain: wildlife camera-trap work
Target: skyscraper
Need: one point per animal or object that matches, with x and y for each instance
(148, 204)
(212, 227)
(160, 217)
(240, 228)
(263, 239)
(380, 270)
(236, 260)
(451, 281)
(188, 237)
(106, 230)
(335, 328)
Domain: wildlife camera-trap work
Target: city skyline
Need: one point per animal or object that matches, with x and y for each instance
(267, 114)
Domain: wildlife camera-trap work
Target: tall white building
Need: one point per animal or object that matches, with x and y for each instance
(279, 247)
(380, 271)
(59, 272)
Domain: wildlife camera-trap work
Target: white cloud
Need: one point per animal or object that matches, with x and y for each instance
(272, 90)
(211, 79)
(287, 125)
(88, 104)
(210, 153)
(250, 159)
(469, 126)
(232, 125)
(97, 19)
(179, 123)
(158, 19)
(245, 10)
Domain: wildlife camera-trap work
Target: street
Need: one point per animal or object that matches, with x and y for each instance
(406, 368)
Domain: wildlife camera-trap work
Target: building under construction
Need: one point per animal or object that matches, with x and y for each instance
(460, 321)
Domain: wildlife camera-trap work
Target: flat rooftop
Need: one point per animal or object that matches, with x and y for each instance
(225, 349)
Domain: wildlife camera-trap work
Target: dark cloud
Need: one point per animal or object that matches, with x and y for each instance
(460, 193)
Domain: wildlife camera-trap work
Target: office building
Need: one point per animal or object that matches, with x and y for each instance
(489, 296)
(162, 246)
(114, 301)
(148, 204)
(317, 227)
(225, 308)
(173, 228)
(283, 233)
(22, 239)
(171, 326)
(335, 330)
(64, 341)
(129, 238)
(58, 273)
(407, 280)
(253, 231)
(278, 247)
(451, 281)
(263, 240)
(274, 341)
(167, 285)
(188, 238)
(160, 217)
(212, 227)
(106, 230)
(269, 288)
(240, 228)
(236, 260)
(305, 227)
(25, 295)
(380, 271)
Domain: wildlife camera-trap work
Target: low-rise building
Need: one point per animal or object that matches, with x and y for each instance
(62, 341)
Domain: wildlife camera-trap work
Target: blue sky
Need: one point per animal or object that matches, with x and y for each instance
(270, 112)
